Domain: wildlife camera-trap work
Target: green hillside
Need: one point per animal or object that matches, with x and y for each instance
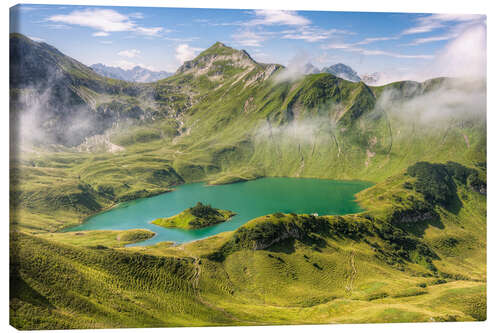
(403, 259)
(417, 252)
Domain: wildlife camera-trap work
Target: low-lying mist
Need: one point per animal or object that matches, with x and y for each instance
(453, 99)
(434, 104)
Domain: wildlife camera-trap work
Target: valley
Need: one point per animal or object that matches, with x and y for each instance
(411, 247)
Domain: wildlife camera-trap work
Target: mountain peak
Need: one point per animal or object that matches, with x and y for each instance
(343, 71)
(217, 53)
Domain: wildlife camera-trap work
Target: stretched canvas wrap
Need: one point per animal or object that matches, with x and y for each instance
(211, 167)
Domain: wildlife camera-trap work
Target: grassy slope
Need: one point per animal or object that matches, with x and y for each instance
(96, 238)
(281, 269)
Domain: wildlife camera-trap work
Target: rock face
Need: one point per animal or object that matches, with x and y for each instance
(343, 71)
(213, 60)
(135, 74)
(54, 97)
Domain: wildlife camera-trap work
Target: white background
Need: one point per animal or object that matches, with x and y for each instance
(423, 6)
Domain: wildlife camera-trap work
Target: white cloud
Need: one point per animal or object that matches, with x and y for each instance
(132, 53)
(58, 26)
(100, 34)
(249, 38)
(125, 64)
(464, 56)
(104, 20)
(182, 39)
(311, 34)
(376, 39)
(425, 40)
(278, 17)
(100, 19)
(368, 52)
(149, 31)
(260, 56)
(436, 21)
(298, 66)
(185, 52)
(459, 98)
(137, 15)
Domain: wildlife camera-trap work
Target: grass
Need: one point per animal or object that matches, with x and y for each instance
(100, 238)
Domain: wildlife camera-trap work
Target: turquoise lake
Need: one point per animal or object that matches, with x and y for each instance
(248, 199)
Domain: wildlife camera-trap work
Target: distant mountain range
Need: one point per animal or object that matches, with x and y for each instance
(144, 75)
(136, 74)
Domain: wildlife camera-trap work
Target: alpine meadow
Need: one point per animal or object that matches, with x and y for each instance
(214, 186)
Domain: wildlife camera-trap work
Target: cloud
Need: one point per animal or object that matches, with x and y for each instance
(376, 39)
(464, 57)
(298, 66)
(104, 20)
(184, 52)
(306, 131)
(137, 15)
(311, 34)
(125, 64)
(452, 99)
(249, 38)
(132, 53)
(278, 17)
(300, 28)
(436, 21)
(150, 31)
(100, 19)
(425, 40)
(100, 34)
(262, 56)
(182, 39)
(58, 26)
(368, 52)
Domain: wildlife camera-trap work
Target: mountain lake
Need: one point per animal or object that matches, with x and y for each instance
(248, 200)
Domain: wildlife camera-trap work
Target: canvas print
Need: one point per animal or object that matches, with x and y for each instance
(212, 167)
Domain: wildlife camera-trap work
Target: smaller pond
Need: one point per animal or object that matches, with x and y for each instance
(248, 199)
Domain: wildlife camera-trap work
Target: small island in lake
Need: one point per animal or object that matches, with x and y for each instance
(199, 216)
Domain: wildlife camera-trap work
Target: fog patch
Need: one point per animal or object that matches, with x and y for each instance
(454, 99)
(306, 131)
(462, 57)
(298, 67)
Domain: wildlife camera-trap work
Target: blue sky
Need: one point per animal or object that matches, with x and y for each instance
(162, 38)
